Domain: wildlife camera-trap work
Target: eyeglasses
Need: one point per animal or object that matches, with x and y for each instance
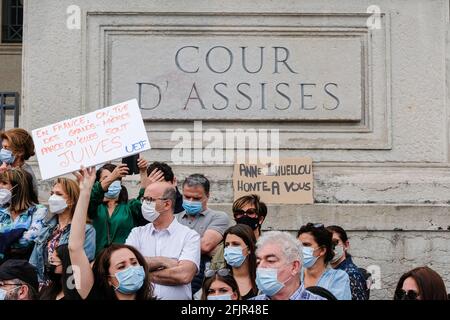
(2, 284)
(150, 199)
(406, 295)
(249, 212)
(221, 272)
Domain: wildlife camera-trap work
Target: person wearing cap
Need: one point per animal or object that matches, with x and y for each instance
(18, 280)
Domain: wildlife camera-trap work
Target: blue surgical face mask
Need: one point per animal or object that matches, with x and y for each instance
(267, 281)
(308, 257)
(3, 293)
(220, 297)
(234, 256)
(130, 280)
(114, 190)
(6, 156)
(5, 197)
(192, 207)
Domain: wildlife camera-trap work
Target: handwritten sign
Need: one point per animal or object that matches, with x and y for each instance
(289, 182)
(100, 136)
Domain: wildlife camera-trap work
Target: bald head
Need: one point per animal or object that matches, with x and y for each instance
(163, 192)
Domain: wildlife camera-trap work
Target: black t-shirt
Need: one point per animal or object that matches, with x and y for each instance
(249, 295)
(178, 202)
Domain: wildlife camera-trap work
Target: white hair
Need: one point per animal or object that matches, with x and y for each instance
(290, 247)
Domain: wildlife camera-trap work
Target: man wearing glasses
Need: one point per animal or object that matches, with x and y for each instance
(18, 280)
(172, 251)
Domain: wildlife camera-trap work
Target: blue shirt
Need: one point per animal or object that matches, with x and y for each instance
(38, 256)
(358, 284)
(300, 294)
(336, 281)
(30, 220)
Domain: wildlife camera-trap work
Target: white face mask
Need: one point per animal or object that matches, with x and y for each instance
(3, 292)
(338, 253)
(5, 197)
(148, 211)
(57, 204)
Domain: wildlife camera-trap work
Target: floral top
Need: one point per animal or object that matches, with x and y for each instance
(54, 240)
(358, 284)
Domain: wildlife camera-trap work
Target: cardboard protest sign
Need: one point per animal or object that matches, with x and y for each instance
(100, 136)
(288, 182)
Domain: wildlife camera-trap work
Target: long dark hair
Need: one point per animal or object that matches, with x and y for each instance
(229, 280)
(123, 195)
(247, 235)
(322, 236)
(101, 273)
(342, 234)
(431, 286)
(51, 291)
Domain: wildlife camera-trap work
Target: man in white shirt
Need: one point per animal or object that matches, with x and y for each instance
(172, 250)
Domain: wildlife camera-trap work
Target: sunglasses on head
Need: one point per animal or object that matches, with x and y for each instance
(316, 225)
(221, 272)
(406, 295)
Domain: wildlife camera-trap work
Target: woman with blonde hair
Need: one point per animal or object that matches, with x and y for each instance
(56, 229)
(21, 217)
(17, 147)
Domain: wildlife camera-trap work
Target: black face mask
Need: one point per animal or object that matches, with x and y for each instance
(251, 222)
(50, 272)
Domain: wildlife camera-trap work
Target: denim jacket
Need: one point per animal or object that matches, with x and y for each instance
(37, 256)
(30, 221)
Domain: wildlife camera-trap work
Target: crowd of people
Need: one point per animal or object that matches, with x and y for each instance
(94, 242)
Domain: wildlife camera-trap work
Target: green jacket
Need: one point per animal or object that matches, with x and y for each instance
(114, 229)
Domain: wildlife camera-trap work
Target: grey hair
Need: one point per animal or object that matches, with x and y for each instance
(290, 247)
(32, 293)
(170, 194)
(197, 179)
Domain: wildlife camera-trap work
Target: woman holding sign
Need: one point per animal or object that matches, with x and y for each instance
(120, 272)
(113, 215)
(17, 147)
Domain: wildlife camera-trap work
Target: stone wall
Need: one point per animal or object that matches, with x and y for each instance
(381, 164)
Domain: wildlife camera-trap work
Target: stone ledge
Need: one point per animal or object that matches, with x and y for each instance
(356, 217)
(10, 49)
